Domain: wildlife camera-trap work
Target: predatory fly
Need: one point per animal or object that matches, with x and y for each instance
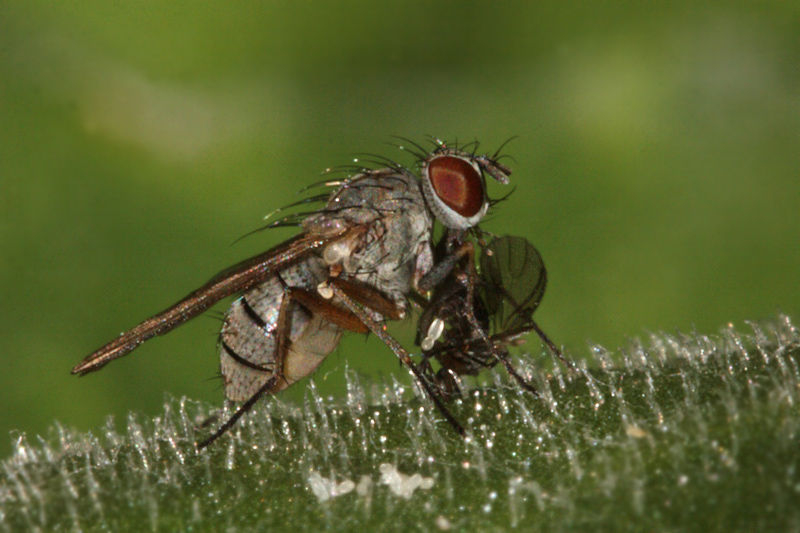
(355, 264)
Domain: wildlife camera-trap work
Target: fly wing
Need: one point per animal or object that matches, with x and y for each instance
(513, 280)
(235, 279)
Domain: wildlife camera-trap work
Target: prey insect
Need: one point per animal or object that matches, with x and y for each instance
(354, 265)
(474, 316)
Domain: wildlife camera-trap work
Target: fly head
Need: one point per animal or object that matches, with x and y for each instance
(455, 188)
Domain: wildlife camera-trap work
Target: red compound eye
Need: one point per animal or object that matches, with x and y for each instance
(455, 191)
(457, 184)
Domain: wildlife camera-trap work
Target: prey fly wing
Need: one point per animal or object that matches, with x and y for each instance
(513, 279)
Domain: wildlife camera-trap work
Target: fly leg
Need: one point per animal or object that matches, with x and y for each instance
(246, 406)
(444, 267)
(550, 344)
(340, 290)
(519, 379)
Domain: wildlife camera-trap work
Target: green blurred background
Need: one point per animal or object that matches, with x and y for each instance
(656, 167)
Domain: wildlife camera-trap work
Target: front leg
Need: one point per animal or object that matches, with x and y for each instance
(444, 267)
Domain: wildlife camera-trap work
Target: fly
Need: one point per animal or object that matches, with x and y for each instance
(354, 265)
(474, 316)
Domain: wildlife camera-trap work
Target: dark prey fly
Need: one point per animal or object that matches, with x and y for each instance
(474, 315)
(355, 264)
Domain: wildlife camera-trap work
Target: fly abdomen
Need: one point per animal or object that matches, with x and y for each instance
(247, 342)
(249, 338)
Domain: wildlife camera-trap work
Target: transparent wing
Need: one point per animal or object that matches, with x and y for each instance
(513, 279)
